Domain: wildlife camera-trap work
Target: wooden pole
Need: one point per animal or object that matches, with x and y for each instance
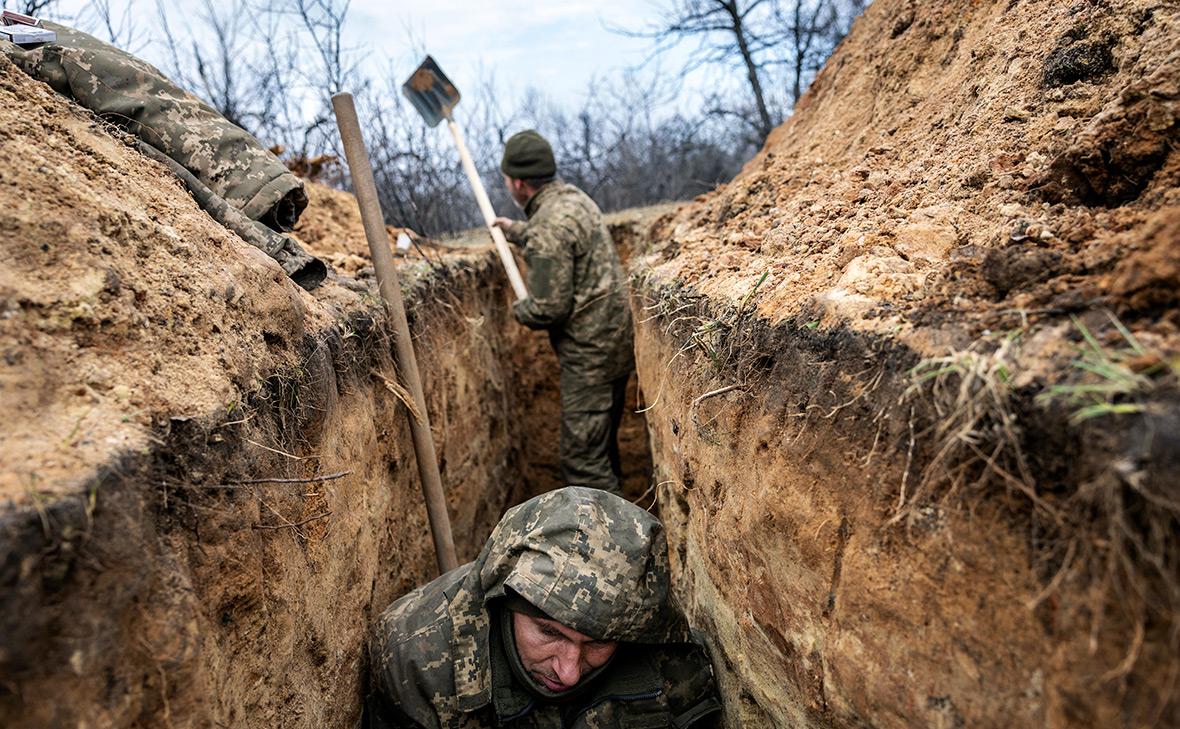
(365, 190)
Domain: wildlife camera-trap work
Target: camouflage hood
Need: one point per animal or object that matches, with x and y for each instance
(591, 560)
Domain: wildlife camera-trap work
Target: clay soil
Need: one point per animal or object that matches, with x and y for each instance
(208, 486)
(959, 165)
(886, 507)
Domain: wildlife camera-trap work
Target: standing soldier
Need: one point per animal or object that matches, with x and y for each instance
(578, 294)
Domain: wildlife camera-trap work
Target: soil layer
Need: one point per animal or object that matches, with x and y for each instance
(914, 379)
(209, 487)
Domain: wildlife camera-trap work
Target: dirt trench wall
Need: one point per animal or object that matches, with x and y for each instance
(208, 486)
(779, 476)
(159, 596)
(914, 379)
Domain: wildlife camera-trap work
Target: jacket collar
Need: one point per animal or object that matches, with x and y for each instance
(547, 191)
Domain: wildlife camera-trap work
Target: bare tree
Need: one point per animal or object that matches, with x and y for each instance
(321, 25)
(220, 68)
(725, 31)
(759, 37)
(283, 122)
(324, 21)
(115, 23)
(271, 68)
(812, 29)
(29, 7)
(216, 63)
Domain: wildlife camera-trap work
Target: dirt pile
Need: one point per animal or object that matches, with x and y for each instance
(955, 167)
(332, 225)
(129, 267)
(914, 379)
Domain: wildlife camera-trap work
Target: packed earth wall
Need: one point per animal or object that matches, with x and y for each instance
(167, 591)
(913, 379)
(825, 603)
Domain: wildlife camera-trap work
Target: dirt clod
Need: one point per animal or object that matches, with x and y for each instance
(1075, 60)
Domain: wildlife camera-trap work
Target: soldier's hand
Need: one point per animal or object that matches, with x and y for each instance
(503, 223)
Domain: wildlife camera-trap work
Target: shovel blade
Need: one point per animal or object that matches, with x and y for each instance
(431, 92)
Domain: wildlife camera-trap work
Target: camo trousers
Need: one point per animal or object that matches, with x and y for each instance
(590, 417)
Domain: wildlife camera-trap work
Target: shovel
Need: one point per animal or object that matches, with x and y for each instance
(434, 96)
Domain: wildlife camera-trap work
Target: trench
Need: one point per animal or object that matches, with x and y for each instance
(212, 489)
(229, 574)
(179, 587)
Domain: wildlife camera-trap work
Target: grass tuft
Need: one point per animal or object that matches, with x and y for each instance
(1116, 380)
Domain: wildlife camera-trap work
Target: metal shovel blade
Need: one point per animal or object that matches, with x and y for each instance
(431, 92)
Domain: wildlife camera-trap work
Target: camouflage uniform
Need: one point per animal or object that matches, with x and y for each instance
(241, 184)
(590, 560)
(577, 292)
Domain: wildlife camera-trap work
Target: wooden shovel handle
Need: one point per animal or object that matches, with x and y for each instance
(489, 214)
(373, 220)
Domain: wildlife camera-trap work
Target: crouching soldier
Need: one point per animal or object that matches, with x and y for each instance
(564, 620)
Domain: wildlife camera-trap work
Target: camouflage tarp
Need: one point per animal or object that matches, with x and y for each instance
(233, 168)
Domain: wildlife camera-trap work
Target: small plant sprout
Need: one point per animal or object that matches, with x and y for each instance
(750, 294)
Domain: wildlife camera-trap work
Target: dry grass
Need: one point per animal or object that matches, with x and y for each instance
(976, 436)
(726, 338)
(1112, 535)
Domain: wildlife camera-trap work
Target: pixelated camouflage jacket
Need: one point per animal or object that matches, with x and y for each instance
(233, 177)
(577, 289)
(590, 560)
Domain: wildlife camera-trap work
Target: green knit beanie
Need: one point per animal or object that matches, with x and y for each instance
(527, 156)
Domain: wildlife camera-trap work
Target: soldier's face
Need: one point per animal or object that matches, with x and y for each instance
(557, 656)
(519, 191)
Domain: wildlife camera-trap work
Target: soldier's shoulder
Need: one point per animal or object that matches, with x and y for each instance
(413, 652)
(575, 197)
(689, 685)
(420, 616)
(568, 207)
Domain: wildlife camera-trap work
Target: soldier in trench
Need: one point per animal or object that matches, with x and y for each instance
(564, 620)
(578, 293)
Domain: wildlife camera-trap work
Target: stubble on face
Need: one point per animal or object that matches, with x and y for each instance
(517, 190)
(556, 656)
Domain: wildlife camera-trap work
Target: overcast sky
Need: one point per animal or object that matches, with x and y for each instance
(556, 45)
